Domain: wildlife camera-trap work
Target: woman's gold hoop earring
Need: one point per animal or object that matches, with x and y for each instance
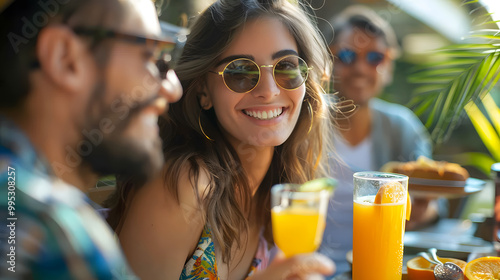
(311, 112)
(201, 128)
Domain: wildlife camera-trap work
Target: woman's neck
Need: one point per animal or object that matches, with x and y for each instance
(256, 162)
(358, 127)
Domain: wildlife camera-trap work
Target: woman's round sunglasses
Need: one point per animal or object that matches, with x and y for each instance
(349, 57)
(242, 75)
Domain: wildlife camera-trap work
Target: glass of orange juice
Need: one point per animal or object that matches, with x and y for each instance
(298, 216)
(380, 211)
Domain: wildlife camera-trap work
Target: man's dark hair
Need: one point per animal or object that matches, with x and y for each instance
(20, 24)
(366, 20)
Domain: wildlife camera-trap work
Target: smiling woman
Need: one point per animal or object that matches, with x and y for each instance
(252, 116)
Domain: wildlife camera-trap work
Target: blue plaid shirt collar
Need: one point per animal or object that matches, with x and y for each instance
(14, 142)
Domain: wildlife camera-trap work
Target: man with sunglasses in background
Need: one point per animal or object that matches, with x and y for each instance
(364, 48)
(80, 98)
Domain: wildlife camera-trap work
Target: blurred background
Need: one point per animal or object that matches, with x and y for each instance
(421, 27)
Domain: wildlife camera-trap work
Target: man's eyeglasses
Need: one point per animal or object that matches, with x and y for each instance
(349, 57)
(163, 48)
(242, 75)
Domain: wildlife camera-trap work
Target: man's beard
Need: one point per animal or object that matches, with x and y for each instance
(119, 156)
(116, 154)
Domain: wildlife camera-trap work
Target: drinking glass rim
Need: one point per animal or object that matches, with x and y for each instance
(379, 176)
(296, 193)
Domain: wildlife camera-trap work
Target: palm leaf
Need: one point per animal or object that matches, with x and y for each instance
(485, 130)
(449, 62)
(469, 2)
(469, 48)
(422, 90)
(489, 37)
(462, 73)
(493, 111)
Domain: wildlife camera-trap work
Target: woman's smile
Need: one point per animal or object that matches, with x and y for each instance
(267, 114)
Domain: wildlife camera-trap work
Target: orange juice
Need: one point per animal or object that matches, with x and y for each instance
(377, 239)
(297, 229)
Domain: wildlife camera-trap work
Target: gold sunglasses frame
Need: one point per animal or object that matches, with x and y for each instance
(221, 73)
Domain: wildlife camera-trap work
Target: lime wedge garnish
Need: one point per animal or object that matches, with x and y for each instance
(319, 184)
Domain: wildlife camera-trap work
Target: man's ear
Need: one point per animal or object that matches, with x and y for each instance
(64, 58)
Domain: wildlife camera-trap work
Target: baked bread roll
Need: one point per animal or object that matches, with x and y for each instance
(426, 168)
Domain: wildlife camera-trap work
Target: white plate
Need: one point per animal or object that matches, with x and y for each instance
(452, 246)
(442, 188)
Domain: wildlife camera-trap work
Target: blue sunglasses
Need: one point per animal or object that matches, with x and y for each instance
(348, 57)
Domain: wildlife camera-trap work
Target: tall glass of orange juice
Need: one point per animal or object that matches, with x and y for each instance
(380, 205)
(298, 216)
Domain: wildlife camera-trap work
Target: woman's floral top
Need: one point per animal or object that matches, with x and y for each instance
(202, 265)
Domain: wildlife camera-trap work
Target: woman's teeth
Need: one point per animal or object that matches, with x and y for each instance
(264, 115)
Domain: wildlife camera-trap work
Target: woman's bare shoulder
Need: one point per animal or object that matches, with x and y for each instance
(182, 198)
(190, 193)
(161, 230)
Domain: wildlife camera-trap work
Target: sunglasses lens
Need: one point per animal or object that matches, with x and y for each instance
(374, 58)
(241, 75)
(347, 56)
(290, 72)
